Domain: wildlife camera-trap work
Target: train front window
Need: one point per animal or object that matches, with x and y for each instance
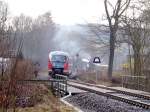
(59, 58)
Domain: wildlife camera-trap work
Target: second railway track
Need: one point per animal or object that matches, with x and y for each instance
(146, 97)
(124, 96)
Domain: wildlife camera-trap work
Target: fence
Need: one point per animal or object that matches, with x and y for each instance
(58, 85)
(136, 82)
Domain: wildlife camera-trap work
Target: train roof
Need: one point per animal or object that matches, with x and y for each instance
(59, 53)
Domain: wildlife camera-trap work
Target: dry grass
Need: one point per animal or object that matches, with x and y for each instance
(101, 78)
(40, 97)
(49, 103)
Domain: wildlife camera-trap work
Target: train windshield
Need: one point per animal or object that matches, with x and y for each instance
(60, 58)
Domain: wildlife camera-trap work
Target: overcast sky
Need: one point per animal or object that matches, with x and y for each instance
(63, 11)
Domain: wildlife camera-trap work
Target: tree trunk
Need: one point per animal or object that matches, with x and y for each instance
(111, 54)
(137, 63)
(137, 68)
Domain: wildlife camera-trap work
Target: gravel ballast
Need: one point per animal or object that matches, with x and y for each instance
(90, 102)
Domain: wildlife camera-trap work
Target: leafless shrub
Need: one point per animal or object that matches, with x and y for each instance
(24, 70)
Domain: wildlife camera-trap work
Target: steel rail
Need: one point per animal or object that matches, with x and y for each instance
(109, 95)
(146, 97)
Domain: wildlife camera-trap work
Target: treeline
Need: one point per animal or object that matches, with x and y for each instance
(23, 41)
(34, 35)
(129, 26)
(136, 34)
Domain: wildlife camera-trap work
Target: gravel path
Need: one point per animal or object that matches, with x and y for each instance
(90, 102)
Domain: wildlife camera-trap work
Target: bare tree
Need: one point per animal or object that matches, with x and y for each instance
(19, 37)
(37, 33)
(18, 69)
(99, 43)
(138, 38)
(113, 12)
(137, 29)
(42, 34)
(3, 34)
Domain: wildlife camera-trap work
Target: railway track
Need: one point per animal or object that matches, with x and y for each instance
(124, 96)
(139, 100)
(146, 97)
